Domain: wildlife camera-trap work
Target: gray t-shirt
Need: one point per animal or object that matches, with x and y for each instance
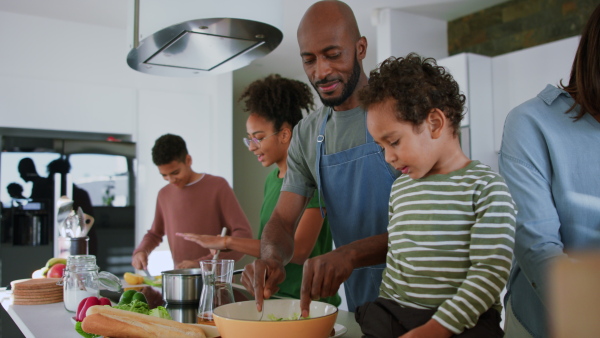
(345, 130)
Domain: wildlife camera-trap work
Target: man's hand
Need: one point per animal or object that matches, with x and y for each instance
(322, 277)
(430, 329)
(188, 265)
(140, 260)
(261, 278)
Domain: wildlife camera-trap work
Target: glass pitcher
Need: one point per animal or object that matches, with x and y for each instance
(216, 289)
(81, 279)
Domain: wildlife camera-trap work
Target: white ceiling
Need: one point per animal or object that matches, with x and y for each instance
(284, 60)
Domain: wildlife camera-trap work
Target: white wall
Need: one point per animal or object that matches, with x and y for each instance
(473, 73)
(521, 75)
(511, 79)
(59, 75)
(399, 33)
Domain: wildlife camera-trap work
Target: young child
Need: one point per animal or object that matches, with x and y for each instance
(451, 228)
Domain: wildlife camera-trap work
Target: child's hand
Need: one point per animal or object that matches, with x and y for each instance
(430, 329)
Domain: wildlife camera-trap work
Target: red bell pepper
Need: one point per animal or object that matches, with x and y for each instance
(86, 303)
(105, 301)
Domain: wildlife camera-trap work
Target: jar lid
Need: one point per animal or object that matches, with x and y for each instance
(110, 281)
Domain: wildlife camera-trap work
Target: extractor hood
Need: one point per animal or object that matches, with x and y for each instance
(188, 38)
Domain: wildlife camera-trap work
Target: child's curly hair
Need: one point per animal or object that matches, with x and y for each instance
(278, 99)
(418, 85)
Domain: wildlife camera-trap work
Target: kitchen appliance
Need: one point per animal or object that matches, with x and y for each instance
(182, 286)
(183, 313)
(29, 224)
(189, 38)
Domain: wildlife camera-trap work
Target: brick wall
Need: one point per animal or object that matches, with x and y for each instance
(518, 24)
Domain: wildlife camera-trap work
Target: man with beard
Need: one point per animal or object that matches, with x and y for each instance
(333, 152)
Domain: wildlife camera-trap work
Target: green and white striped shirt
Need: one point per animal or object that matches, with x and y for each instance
(450, 244)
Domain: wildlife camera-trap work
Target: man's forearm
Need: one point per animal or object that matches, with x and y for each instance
(277, 242)
(367, 251)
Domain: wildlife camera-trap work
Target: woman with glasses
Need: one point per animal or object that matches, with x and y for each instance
(275, 105)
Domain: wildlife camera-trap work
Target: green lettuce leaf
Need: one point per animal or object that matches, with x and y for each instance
(134, 306)
(160, 312)
(83, 333)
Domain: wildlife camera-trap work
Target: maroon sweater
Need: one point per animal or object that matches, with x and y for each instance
(204, 207)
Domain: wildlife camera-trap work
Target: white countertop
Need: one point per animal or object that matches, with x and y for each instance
(54, 321)
(48, 320)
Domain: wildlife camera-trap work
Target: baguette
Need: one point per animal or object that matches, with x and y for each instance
(115, 323)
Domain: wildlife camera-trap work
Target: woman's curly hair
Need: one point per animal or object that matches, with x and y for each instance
(278, 100)
(418, 85)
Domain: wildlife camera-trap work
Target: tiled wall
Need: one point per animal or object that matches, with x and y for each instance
(518, 24)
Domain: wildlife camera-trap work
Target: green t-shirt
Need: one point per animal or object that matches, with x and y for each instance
(291, 286)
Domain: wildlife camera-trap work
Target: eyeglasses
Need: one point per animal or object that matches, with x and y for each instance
(248, 141)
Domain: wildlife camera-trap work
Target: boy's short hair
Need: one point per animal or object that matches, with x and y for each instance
(418, 85)
(169, 148)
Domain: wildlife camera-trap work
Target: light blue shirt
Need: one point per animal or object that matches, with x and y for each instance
(551, 165)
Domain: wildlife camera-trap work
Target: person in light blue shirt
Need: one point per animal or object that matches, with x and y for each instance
(549, 158)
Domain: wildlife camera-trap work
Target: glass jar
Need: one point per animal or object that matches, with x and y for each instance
(81, 279)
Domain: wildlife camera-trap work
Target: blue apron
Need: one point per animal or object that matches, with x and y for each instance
(356, 185)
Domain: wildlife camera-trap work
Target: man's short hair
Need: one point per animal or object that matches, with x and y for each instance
(169, 148)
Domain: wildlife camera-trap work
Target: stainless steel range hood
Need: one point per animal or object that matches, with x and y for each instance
(196, 47)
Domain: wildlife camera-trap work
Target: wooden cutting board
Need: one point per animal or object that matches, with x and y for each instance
(36, 291)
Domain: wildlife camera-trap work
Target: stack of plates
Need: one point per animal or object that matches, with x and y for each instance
(36, 291)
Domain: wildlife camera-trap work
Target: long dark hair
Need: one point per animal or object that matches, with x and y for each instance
(584, 83)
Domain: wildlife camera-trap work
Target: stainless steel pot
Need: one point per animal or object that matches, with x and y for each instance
(183, 313)
(182, 286)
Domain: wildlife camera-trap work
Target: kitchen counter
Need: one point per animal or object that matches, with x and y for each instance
(53, 321)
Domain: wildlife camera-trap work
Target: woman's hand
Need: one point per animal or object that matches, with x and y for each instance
(207, 241)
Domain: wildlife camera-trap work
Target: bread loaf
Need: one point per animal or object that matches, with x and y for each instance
(110, 322)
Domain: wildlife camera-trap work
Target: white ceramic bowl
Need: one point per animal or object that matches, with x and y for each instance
(241, 319)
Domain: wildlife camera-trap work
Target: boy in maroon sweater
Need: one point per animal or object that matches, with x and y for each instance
(192, 202)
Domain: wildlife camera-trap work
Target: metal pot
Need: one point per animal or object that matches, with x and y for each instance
(183, 313)
(182, 286)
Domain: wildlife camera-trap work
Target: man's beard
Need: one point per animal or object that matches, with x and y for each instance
(348, 90)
